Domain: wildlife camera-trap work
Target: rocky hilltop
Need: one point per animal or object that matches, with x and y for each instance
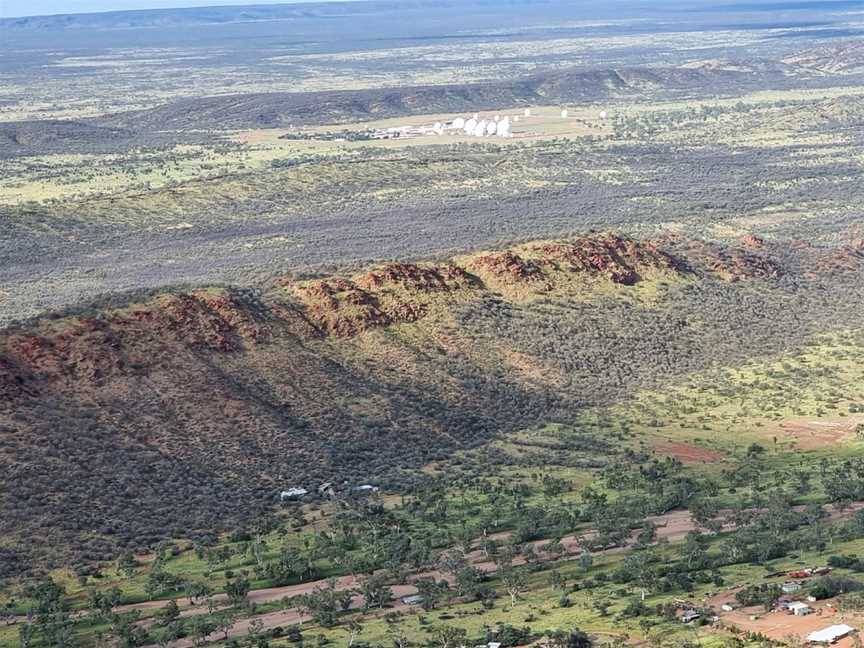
(198, 406)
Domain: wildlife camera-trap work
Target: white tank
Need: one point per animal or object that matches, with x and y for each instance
(480, 128)
(459, 123)
(527, 112)
(564, 113)
(470, 125)
(502, 128)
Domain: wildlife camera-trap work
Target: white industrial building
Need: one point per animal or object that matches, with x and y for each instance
(798, 608)
(831, 634)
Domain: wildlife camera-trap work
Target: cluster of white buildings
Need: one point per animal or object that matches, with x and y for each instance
(478, 127)
(474, 126)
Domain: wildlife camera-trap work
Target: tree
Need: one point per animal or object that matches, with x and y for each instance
(51, 615)
(468, 581)
(26, 634)
(353, 628)
(557, 580)
(431, 592)
(168, 614)
(514, 581)
(166, 635)
(449, 637)
(124, 627)
(160, 581)
(568, 639)
(376, 593)
(223, 623)
(586, 560)
(292, 564)
(602, 605)
(255, 636)
(555, 547)
(236, 590)
(452, 562)
(101, 603)
(398, 637)
(201, 627)
(127, 565)
(196, 590)
(694, 550)
(325, 603)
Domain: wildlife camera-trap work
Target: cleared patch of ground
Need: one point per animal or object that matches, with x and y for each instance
(814, 434)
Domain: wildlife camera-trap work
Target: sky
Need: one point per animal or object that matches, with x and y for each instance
(15, 8)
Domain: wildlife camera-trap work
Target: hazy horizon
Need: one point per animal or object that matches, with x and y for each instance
(25, 8)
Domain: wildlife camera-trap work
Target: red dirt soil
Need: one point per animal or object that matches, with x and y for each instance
(813, 434)
(688, 454)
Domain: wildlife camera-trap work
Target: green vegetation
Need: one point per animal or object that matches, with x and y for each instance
(520, 532)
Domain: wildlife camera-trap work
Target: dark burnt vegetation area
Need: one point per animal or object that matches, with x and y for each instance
(45, 137)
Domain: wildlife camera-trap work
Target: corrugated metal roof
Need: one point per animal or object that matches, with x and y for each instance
(831, 633)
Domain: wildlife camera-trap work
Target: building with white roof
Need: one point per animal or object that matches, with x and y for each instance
(830, 634)
(799, 608)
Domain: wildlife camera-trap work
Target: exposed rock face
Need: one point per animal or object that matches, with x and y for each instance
(340, 308)
(410, 276)
(92, 350)
(396, 292)
(122, 341)
(509, 267)
(617, 258)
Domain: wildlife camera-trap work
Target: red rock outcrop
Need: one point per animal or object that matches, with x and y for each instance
(417, 278)
(239, 317)
(510, 267)
(617, 258)
(92, 350)
(340, 308)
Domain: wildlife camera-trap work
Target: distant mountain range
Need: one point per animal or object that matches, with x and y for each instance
(241, 13)
(281, 109)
